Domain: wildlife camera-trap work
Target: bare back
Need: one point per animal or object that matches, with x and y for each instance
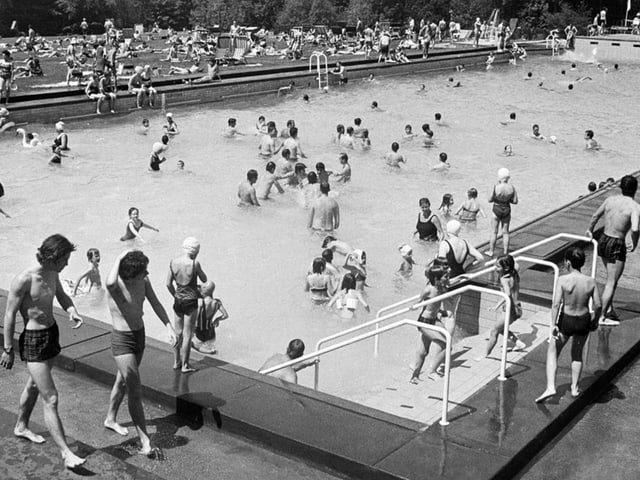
(620, 215)
(287, 374)
(125, 304)
(35, 290)
(576, 290)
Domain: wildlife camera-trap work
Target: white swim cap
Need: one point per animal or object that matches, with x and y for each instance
(191, 245)
(453, 227)
(3, 112)
(60, 125)
(405, 249)
(553, 139)
(169, 115)
(139, 69)
(503, 173)
(357, 255)
(158, 147)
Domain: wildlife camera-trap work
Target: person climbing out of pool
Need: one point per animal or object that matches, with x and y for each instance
(572, 319)
(134, 226)
(295, 349)
(428, 226)
(469, 209)
(431, 342)
(502, 196)
(182, 283)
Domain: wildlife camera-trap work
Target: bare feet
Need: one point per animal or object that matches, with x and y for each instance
(177, 364)
(29, 435)
(414, 380)
(116, 427)
(153, 453)
(547, 394)
(575, 391)
(71, 460)
(188, 369)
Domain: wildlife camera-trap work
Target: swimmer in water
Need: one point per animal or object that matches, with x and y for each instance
(394, 159)
(344, 175)
(144, 129)
(452, 83)
(56, 158)
(468, 211)
(535, 132)
(529, 76)
(171, 128)
(591, 144)
(446, 205)
(443, 164)
(406, 252)
(261, 126)
(246, 190)
(427, 136)
(180, 165)
(508, 151)
(91, 277)
(231, 131)
(375, 107)
(134, 225)
(366, 141)
(282, 91)
(270, 179)
(512, 118)
(489, 62)
(439, 121)
(423, 88)
(408, 133)
(305, 98)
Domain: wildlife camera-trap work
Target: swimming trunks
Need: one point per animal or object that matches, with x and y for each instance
(39, 345)
(456, 268)
(127, 342)
(574, 325)
(427, 230)
(501, 205)
(186, 296)
(612, 249)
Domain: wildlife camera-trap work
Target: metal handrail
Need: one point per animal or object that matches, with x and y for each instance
(491, 262)
(400, 323)
(319, 56)
(415, 306)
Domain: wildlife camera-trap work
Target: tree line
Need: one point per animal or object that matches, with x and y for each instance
(51, 17)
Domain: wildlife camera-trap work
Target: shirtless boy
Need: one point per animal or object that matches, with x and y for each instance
(394, 159)
(270, 180)
(246, 190)
(570, 312)
(32, 293)
(325, 212)
(295, 349)
(128, 285)
(621, 215)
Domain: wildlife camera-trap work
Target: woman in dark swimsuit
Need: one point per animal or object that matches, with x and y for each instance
(428, 226)
(502, 196)
(184, 271)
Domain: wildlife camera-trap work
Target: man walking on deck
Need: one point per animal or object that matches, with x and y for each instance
(621, 215)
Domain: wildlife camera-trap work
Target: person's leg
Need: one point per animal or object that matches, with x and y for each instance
(128, 369)
(577, 346)
(493, 235)
(614, 272)
(178, 326)
(41, 374)
(553, 352)
(421, 354)
(139, 98)
(505, 234)
(187, 334)
(99, 104)
(493, 336)
(115, 400)
(28, 400)
(438, 351)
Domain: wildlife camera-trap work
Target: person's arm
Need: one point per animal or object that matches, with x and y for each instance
(254, 197)
(5, 213)
(457, 212)
(514, 199)
(596, 305)
(556, 305)
(159, 310)
(307, 285)
(77, 284)
(86, 89)
(146, 225)
(443, 249)
(67, 304)
(635, 221)
(363, 302)
(169, 282)
(436, 221)
(134, 232)
(479, 258)
(19, 287)
(201, 275)
(277, 185)
(594, 219)
(336, 217)
(222, 311)
(334, 298)
(312, 213)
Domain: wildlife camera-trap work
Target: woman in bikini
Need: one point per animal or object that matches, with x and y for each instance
(319, 283)
(428, 226)
(184, 272)
(470, 208)
(503, 196)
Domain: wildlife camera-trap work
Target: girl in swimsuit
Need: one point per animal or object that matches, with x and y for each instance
(319, 283)
(446, 205)
(469, 210)
(502, 196)
(134, 226)
(428, 226)
(347, 299)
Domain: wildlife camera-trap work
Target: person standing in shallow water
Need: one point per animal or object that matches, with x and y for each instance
(184, 272)
(502, 196)
(32, 293)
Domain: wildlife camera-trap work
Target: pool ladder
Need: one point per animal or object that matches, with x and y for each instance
(323, 75)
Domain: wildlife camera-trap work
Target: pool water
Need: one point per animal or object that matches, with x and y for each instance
(259, 257)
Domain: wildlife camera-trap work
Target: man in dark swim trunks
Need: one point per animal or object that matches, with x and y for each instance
(573, 294)
(621, 215)
(185, 271)
(32, 293)
(128, 286)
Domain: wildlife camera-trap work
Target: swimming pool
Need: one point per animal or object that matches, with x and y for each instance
(259, 257)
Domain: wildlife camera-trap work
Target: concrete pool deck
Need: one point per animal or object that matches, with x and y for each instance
(494, 432)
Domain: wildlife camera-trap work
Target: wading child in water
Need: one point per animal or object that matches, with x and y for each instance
(134, 226)
(144, 129)
(443, 164)
(408, 133)
(92, 276)
(346, 300)
(171, 128)
(406, 267)
(591, 144)
(210, 313)
(446, 205)
(344, 175)
(470, 208)
(56, 158)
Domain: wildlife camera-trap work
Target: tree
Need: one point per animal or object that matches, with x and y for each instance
(360, 9)
(322, 12)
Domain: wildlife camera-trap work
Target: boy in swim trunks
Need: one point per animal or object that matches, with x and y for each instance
(128, 286)
(91, 276)
(621, 215)
(570, 310)
(32, 293)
